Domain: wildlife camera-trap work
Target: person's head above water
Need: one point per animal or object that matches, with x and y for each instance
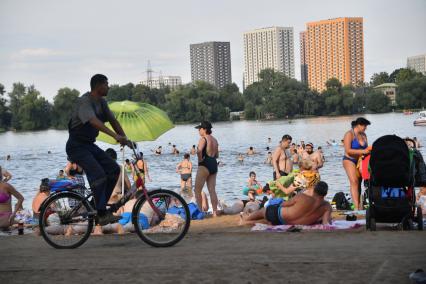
(99, 85)
(251, 148)
(186, 156)
(205, 127)
(360, 123)
(321, 188)
(309, 148)
(252, 174)
(286, 141)
(193, 146)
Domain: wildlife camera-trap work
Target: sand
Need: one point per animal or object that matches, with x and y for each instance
(218, 251)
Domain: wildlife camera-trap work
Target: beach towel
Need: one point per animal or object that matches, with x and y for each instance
(336, 225)
(194, 212)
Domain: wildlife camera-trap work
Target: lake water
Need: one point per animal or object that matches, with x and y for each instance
(31, 162)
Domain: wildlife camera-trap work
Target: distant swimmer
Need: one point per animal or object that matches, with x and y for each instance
(159, 150)
(240, 158)
(251, 151)
(193, 150)
(8, 158)
(175, 151)
(268, 159)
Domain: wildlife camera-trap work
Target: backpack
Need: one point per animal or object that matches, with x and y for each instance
(341, 202)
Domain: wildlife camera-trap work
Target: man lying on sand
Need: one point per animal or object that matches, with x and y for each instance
(300, 210)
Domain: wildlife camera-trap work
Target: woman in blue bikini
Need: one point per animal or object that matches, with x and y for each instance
(355, 144)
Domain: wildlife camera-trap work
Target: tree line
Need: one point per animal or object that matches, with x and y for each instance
(274, 95)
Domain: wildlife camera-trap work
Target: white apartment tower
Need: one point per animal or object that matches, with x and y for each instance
(417, 63)
(268, 48)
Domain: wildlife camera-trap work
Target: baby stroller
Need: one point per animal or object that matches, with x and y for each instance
(390, 187)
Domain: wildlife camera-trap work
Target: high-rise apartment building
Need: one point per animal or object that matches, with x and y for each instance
(268, 48)
(417, 63)
(211, 62)
(335, 48)
(303, 59)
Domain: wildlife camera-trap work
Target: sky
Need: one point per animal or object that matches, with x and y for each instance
(57, 43)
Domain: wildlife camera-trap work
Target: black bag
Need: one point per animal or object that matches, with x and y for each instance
(341, 202)
(420, 177)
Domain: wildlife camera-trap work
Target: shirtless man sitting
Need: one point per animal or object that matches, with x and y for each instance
(281, 158)
(316, 157)
(300, 210)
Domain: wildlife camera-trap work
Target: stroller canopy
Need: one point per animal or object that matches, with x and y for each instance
(390, 162)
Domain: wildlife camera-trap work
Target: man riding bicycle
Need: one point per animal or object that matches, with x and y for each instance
(88, 117)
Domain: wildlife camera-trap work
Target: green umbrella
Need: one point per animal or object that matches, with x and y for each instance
(140, 121)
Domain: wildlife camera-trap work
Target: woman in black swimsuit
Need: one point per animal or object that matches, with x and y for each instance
(207, 165)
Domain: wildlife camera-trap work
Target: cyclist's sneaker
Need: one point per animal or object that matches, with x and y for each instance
(107, 218)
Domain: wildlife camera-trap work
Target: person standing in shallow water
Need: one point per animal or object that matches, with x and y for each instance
(281, 158)
(355, 145)
(208, 152)
(185, 170)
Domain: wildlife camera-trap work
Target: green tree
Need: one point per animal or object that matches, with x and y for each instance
(15, 99)
(5, 114)
(63, 105)
(34, 112)
(412, 93)
(377, 102)
(406, 74)
(249, 111)
(379, 78)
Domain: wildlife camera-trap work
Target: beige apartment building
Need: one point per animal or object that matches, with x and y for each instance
(417, 63)
(334, 48)
(268, 48)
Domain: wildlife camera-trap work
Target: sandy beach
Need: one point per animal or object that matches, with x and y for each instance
(218, 251)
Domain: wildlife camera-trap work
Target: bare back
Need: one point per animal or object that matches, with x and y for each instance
(212, 146)
(306, 210)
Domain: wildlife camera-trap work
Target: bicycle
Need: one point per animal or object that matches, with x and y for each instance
(66, 217)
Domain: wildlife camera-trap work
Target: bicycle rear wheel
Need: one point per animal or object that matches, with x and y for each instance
(66, 220)
(165, 230)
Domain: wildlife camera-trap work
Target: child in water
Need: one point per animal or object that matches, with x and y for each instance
(252, 186)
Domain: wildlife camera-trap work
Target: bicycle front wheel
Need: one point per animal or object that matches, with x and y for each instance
(165, 228)
(66, 220)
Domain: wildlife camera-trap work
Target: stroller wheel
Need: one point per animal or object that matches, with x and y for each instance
(407, 224)
(419, 218)
(370, 222)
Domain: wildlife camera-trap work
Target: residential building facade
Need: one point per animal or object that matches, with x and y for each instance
(303, 59)
(163, 81)
(211, 62)
(417, 63)
(389, 90)
(268, 48)
(335, 48)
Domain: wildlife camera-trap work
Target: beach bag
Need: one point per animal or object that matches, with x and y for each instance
(341, 202)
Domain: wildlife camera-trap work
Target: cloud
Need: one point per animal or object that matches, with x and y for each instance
(28, 53)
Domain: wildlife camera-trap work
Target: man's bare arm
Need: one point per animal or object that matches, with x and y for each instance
(275, 158)
(290, 202)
